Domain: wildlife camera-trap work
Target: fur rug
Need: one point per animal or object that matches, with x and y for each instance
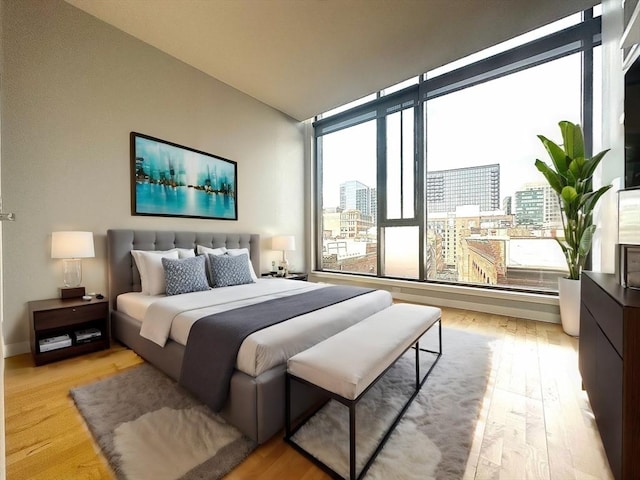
(150, 428)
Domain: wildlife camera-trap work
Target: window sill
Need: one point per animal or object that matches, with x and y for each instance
(532, 306)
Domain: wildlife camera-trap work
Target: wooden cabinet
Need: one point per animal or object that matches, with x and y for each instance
(609, 358)
(61, 318)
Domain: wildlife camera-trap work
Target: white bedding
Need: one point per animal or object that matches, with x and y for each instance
(171, 317)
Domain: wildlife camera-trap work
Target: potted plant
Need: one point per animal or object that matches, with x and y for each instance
(571, 178)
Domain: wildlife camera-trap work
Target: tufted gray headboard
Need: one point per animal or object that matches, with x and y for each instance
(123, 273)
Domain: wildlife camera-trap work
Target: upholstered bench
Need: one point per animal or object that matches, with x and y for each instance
(348, 364)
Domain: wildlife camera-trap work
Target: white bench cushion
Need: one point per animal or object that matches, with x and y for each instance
(349, 361)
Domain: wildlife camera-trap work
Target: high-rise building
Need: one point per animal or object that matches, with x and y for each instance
(355, 195)
(538, 205)
(479, 186)
(506, 205)
(530, 207)
(374, 205)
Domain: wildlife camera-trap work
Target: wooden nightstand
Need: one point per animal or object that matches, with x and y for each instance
(297, 276)
(56, 317)
(290, 276)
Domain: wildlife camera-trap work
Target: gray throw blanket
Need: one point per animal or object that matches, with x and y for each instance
(214, 340)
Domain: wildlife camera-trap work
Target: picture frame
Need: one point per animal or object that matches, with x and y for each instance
(630, 266)
(171, 180)
(629, 216)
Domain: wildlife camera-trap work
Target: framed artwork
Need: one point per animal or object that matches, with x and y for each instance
(177, 181)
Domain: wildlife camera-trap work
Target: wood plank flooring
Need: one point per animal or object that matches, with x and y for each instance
(535, 421)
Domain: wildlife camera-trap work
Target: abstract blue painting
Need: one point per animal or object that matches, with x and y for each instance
(173, 180)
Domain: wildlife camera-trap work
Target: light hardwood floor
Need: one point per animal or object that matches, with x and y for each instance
(535, 421)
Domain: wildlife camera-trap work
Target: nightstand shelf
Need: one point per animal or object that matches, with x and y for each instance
(55, 317)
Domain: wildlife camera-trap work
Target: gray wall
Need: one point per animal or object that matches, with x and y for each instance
(73, 89)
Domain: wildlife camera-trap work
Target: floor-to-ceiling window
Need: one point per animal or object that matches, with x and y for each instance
(434, 180)
(349, 203)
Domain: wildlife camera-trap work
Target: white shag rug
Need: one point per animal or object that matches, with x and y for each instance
(148, 427)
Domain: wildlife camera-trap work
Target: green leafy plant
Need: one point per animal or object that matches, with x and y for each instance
(571, 178)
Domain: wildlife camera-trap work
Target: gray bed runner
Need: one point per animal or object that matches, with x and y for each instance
(214, 340)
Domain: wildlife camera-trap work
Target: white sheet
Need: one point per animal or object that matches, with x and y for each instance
(172, 317)
(135, 304)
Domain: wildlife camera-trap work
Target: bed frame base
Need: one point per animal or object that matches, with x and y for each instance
(255, 404)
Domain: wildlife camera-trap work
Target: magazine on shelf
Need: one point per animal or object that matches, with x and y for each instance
(87, 335)
(54, 343)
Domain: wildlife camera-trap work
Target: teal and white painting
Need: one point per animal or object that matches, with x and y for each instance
(173, 180)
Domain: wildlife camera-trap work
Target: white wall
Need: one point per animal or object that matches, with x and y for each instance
(73, 89)
(3, 470)
(612, 167)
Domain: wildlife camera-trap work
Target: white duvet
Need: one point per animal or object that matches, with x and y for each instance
(171, 317)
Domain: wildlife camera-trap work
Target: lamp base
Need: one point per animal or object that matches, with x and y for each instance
(74, 292)
(283, 268)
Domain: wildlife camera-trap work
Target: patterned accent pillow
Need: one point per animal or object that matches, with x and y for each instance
(185, 276)
(227, 270)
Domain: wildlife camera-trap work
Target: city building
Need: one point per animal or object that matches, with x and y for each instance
(530, 207)
(331, 222)
(448, 189)
(374, 205)
(507, 204)
(537, 205)
(355, 195)
(355, 224)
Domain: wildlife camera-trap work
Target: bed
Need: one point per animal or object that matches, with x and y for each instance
(255, 401)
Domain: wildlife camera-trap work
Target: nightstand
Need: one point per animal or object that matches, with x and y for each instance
(66, 328)
(297, 276)
(291, 276)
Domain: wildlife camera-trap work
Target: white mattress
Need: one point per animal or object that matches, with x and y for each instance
(165, 317)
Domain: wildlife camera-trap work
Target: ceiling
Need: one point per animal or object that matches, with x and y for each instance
(304, 57)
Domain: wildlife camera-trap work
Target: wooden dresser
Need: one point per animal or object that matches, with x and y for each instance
(609, 357)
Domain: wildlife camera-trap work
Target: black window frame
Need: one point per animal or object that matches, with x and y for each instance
(580, 38)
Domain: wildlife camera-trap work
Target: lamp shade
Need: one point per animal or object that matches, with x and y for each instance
(283, 242)
(72, 245)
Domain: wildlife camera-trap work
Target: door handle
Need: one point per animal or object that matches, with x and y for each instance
(7, 217)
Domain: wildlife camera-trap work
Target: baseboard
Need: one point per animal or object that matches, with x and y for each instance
(13, 349)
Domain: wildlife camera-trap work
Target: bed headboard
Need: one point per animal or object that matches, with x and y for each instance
(123, 273)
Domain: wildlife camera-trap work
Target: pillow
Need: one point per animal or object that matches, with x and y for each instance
(201, 249)
(185, 252)
(185, 275)
(229, 270)
(149, 265)
(240, 251)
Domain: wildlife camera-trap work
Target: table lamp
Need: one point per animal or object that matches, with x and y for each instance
(71, 247)
(284, 243)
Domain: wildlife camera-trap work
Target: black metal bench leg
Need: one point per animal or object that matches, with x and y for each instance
(417, 365)
(287, 406)
(352, 441)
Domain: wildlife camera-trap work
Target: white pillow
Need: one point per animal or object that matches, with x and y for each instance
(201, 249)
(234, 252)
(184, 252)
(149, 265)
